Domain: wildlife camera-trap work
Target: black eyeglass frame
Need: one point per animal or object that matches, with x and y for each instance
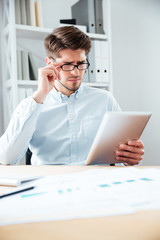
(72, 65)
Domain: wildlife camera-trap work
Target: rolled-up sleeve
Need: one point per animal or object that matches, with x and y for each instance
(14, 142)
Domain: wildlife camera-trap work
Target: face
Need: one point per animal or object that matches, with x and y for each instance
(70, 80)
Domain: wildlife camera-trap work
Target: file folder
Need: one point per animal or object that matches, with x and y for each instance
(84, 13)
(98, 16)
(95, 69)
(105, 62)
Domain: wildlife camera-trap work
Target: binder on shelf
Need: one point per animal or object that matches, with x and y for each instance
(25, 65)
(84, 13)
(91, 70)
(98, 60)
(32, 13)
(33, 71)
(19, 65)
(38, 13)
(105, 61)
(98, 17)
(94, 57)
(17, 12)
(23, 12)
(28, 12)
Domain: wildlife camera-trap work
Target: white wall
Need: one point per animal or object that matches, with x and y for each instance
(136, 64)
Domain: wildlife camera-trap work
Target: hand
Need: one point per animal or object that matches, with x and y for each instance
(46, 78)
(130, 153)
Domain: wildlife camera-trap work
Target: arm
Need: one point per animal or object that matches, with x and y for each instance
(14, 142)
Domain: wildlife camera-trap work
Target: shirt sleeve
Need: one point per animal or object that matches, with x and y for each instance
(112, 104)
(14, 142)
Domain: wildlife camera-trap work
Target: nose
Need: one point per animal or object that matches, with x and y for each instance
(75, 71)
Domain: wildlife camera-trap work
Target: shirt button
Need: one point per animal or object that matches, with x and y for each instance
(70, 118)
(70, 102)
(74, 137)
(74, 156)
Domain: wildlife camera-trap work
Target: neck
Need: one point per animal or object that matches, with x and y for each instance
(60, 87)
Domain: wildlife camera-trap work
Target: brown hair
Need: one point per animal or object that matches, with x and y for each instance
(66, 37)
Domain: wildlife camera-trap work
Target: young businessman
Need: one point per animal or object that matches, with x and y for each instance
(59, 122)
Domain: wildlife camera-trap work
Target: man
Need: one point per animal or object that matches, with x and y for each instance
(59, 122)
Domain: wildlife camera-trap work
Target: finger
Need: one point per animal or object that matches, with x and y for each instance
(136, 143)
(56, 65)
(129, 155)
(131, 149)
(127, 161)
(51, 74)
(126, 164)
(56, 70)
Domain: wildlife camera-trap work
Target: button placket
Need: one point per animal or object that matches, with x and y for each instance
(72, 129)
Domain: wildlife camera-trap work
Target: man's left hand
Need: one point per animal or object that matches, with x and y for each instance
(130, 153)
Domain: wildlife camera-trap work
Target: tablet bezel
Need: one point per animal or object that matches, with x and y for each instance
(116, 128)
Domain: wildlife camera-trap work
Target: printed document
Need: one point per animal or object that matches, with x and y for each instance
(91, 193)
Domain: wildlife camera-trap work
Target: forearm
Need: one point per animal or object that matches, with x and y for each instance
(15, 140)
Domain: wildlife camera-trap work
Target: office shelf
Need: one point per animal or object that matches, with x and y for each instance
(14, 36)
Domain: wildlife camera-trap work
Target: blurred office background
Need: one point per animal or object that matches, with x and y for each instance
(135, 34)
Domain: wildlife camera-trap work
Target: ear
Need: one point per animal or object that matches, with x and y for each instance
(48, 60)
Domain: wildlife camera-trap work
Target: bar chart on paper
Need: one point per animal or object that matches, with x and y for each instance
(92, 193)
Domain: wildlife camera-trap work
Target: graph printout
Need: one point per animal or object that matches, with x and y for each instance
(92, 193)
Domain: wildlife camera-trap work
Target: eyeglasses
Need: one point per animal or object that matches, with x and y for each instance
(71, 67)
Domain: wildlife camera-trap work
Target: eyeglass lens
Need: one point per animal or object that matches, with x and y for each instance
(70, 67)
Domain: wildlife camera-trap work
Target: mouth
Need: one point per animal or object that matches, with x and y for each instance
(74, 80)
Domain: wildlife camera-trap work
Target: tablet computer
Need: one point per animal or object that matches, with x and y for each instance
(115, 128)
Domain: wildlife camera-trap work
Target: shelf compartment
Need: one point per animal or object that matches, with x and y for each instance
(35, 83)
(26, 31)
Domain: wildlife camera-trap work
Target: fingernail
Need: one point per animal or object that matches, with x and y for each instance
(130, 142)
(121, 146)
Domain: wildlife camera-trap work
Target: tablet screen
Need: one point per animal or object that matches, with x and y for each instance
(115, 128)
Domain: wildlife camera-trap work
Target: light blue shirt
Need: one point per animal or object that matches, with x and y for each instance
(59, 131)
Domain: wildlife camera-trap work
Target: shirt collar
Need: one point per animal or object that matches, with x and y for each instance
(60, 96)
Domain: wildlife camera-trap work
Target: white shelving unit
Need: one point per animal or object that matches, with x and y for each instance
(11, 32)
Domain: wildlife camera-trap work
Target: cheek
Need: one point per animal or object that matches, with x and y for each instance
(82, 73)
(63, 74)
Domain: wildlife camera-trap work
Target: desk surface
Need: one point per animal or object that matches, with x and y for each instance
(143, 225)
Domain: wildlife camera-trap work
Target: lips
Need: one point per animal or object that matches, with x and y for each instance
(74, 79)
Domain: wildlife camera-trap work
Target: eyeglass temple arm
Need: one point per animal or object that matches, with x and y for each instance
(53, 59)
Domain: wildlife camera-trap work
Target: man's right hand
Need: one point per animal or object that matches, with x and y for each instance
(46, 78)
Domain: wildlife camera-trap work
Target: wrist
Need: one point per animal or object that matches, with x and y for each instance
(39, 97)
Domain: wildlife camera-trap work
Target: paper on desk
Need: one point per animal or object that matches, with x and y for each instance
(16, 179)
(93, 193)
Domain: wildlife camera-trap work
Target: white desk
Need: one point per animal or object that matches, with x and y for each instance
(143, 225)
